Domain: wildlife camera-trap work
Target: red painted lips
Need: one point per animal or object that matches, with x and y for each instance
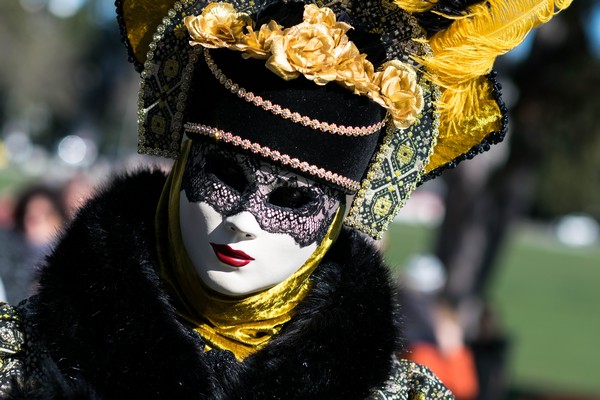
(229, 256)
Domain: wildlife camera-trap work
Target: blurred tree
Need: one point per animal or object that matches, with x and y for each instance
(39, 57)
(65, 74)
(561, 114)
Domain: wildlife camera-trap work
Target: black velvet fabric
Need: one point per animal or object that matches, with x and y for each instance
(213, 105)
(106, 329)
(342, 157)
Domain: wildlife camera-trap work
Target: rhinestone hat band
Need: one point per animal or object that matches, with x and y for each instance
(286, 113)
(274, 155)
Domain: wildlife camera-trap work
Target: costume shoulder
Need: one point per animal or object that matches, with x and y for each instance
(99, 303)
(11, 347)
(411, 381)
(109, 241)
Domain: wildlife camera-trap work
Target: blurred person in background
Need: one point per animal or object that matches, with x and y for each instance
(433, 334)
(75, 193)
(38, 216)
(6, 211)
(448, 356)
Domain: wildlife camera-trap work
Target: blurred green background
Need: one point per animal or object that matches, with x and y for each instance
(548, 300)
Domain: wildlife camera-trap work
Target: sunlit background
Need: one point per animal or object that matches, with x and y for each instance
(509, 241)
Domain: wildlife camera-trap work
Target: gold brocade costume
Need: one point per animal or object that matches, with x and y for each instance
(241, 325)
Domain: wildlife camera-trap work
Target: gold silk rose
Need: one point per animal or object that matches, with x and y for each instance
(315, 15)
(355, 72)
(399, 92)
(304, 49)
(317, 48)
(218, 26)
(256, 44)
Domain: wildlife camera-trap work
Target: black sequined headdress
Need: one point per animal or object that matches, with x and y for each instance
(355, 135)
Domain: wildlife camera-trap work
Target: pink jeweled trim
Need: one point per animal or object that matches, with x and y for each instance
(274, 155)
(285, 112)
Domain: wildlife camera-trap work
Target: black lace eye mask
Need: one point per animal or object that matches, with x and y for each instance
(280, 200)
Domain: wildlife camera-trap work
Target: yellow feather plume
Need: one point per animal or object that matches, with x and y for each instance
(470, 45)
(465, 52)
(415, 6)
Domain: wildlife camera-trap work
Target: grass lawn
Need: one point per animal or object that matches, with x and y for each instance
(548, 298)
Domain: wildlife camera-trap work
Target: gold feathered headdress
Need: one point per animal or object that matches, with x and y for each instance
(463, 54)
(460, 110)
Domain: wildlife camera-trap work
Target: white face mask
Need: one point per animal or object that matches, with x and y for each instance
(246, 224)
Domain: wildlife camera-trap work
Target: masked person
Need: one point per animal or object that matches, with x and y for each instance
(244, 273)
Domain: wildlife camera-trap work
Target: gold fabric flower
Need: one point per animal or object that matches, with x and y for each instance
(317, 48)
(324, 16)
(354, 71)
(219, 25)
(304, 49)
(399, 92)
(258, 44)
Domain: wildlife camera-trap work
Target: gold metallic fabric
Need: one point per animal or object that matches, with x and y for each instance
(460, 132)
(141, 18)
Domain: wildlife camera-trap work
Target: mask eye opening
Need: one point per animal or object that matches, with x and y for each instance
(291, 197)
(226, 170)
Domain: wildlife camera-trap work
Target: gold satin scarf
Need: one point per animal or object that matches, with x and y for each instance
(241, 325)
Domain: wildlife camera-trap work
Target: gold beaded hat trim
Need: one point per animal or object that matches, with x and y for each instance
(274, 155)
(286, 113)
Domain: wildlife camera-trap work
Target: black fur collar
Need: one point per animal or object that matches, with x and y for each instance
(110, 330)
